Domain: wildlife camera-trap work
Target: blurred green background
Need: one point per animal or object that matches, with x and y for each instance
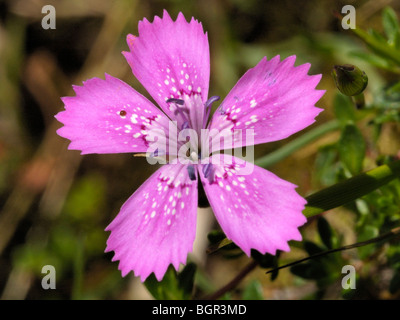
(55, 203)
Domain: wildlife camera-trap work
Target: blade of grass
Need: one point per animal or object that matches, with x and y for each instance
(382, 49)
(351, 189)
(297, 144)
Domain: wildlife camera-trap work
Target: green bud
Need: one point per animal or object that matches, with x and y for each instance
(349, 79)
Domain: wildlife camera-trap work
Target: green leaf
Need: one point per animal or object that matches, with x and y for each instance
(388, 98)
(186, 279)
(312, 248)
(379, 47)
(274, 274)
(352, 148)
(167, 289)
(326, 165)
(253, 291)
(310, 270)
(264, 260)
(344, 109)
(351, 189)
(376, 61)
(377, 36)
(218, 240)
(325, 232)
(215, 236)
(173, 286)
(390, 24)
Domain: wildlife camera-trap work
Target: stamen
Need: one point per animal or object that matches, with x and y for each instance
(191, 172)
(207, 106)
(178, 110)
(177, 101)
(208, 172)
(206, 169)
(157, 153)
(210, 101)
(185, 125)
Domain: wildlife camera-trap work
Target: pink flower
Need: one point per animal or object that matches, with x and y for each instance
(156, 226)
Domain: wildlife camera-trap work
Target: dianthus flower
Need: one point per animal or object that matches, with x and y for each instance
(156, 226)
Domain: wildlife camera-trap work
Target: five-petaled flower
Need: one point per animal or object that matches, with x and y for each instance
(156, 226)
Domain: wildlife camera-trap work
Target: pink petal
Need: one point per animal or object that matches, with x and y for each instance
(275, 99)
(157, 225)
(256, 209)
(108, 116)
(170, 59)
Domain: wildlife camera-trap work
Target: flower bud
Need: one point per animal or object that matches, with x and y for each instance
(349, 79)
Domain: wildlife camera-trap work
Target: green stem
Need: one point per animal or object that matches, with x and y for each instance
(234, 282)
(296, 144)
(349, 190)
(392, 233)
(359, 100)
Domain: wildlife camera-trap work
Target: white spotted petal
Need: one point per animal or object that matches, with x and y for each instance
(255, 208)
(270, 102)
(157, 224)
(109, 116)
(171, 59)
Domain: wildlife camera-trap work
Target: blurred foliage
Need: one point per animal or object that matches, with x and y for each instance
(376, 212)
(55, 203)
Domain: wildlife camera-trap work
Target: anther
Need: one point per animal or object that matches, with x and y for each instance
(207, 169)
(210, 101)
(191, 172)
(185, 125)
(157, 153)
(207, 106)
(208, 172)
(177, 101)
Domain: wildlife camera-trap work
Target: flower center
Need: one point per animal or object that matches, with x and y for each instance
(192, 116)
(194, 156)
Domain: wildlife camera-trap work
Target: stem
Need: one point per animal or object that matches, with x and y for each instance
(359, 100)
(234, 282)
(296, 144)
(392, 233)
